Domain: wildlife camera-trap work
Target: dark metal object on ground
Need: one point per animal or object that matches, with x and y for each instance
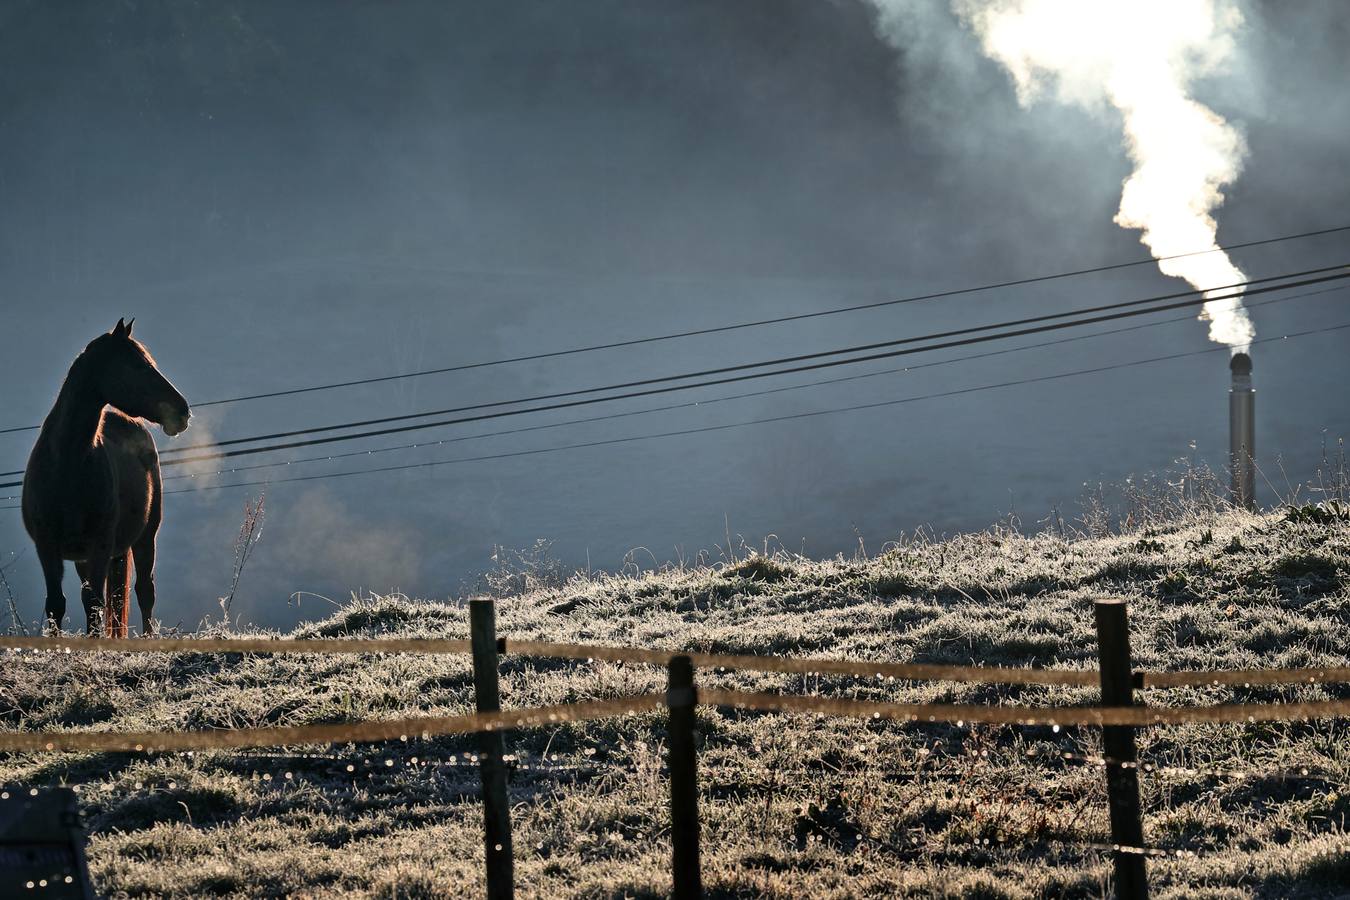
(42, 845)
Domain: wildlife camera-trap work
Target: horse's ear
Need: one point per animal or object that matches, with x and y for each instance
(129, 324)
(120, 329)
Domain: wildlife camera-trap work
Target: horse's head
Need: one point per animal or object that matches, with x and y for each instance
(130, 382)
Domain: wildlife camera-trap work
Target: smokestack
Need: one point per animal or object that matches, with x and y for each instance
(1242, 431)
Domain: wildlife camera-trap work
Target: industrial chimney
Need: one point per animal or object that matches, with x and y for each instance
(1242, 432)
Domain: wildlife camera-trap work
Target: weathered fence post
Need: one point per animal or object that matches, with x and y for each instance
(681, 698)
(491, 747)
(1122, 770)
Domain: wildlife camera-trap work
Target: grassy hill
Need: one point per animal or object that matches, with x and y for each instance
(793, 805)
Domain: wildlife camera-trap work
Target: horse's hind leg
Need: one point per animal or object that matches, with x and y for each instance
(144, 556)
(53, 568)
(93, 615)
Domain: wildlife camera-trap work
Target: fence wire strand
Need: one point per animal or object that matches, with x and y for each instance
(232, 645)
(807, 666)
(393, 729)
(1272, 774)
(746, 662)
(1246, 677)
(791, 665)
(959, 714)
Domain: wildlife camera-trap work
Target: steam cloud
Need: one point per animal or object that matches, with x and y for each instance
(1139, 56)
(203, 472)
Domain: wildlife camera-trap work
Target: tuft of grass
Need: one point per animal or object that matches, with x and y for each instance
(1307, 566)
(890, 584)
(760, 568)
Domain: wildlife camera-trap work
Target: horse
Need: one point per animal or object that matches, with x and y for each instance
(92, 492)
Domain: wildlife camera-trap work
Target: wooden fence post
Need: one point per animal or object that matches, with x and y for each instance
(681, 698)
(491, 747)
(1122, 770)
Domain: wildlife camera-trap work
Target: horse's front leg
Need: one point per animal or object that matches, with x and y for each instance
(95, 612)
(143, 557)
(53, 569)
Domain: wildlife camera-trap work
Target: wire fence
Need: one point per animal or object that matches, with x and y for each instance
(422, 728)
(1121, 767)
(1270, 774)
(725, 661)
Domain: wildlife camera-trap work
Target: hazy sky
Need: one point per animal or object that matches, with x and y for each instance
(299, 193)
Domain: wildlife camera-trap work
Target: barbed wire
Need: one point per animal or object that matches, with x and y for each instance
(353, 732)
(726, 661)
(1245, 677)
(588, 652)
(960, 714)
(351, 763)
(1126, 849)
(426, 727)
(1302, 774)
(68, 645)
(808, 666)
(998, 841)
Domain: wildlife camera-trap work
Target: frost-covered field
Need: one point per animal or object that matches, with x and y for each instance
(792, 806)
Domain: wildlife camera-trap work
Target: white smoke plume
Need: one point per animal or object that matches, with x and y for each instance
(202, 430)
(1140, 57)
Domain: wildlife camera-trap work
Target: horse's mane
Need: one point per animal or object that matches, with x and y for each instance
(144, 351)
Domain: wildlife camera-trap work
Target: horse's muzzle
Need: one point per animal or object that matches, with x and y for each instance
(174, 421)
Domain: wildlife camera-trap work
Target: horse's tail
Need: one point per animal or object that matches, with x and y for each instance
(117, 603)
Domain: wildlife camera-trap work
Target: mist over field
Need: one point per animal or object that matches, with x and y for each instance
(292, 194)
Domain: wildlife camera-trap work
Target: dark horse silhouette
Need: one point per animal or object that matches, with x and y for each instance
(91, 492)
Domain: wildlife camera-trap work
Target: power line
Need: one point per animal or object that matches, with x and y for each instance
(743, 325)
(1240, 287)
(695, 403)
(745, 377)
(724, 427)
(730, 425)
(682, 387)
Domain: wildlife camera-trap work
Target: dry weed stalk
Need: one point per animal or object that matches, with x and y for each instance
(250, 532)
